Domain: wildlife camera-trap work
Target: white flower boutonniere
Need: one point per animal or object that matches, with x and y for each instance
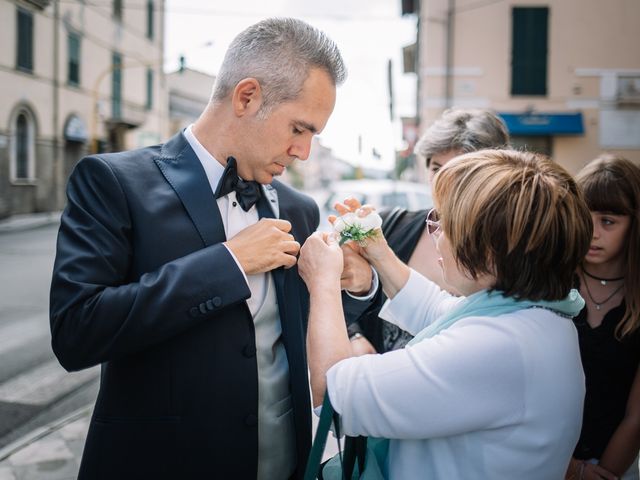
(356, 228)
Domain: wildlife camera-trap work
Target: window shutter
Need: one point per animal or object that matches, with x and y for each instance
(25, 40)
(529, 51)
(149, 104)
(150, 9)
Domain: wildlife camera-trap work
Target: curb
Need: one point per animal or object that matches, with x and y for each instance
(20, 223)
(41, 432)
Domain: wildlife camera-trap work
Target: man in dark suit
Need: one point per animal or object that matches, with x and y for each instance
(176, 270)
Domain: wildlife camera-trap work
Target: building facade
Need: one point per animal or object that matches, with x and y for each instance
(78, 77)
(189, 93)
(563, 74)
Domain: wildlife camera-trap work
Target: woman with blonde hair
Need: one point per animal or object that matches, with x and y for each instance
(491, 385)
(609, 325)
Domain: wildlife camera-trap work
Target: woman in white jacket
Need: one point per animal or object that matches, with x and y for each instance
(492, 386)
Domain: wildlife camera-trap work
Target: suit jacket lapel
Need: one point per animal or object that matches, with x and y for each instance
(271, 196)
(183, 170)
(268, 207)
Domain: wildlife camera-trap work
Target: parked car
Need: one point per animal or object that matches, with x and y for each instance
(381, 194)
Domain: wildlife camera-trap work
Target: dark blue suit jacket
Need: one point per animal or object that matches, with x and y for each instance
(143, 286)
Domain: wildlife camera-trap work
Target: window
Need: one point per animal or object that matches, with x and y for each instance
(149, 104)
(529, 50)
(117, 9)
(24, 53)
(538, 144)
(23, 148)
(150, 10)
(73, 62)
(116, 86)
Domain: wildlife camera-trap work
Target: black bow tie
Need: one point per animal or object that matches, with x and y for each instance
(247, 193)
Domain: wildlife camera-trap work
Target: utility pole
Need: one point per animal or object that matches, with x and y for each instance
(58, 170)
(449, 44)
(390, 85)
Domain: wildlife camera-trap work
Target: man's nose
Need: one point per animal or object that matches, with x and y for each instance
(301, 148)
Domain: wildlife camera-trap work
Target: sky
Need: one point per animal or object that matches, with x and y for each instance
(369, 33)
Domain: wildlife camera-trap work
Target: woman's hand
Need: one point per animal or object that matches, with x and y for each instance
(583, 470)
(593, 471)
(321, 263)
(393, 273)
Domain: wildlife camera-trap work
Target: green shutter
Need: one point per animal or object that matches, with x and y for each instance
(150, 9)
(117, 9)
(73, 70)
(529, 51)
(116, 86)
(24, 59)
(149, 104)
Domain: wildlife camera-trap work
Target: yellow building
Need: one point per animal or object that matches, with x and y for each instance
(563, 74)
(77, 77)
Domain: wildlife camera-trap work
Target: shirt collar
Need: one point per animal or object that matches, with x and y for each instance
(212, 167)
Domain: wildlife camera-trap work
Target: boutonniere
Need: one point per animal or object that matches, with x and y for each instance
(353, 227)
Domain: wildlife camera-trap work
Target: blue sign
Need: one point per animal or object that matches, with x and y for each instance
(527, 124)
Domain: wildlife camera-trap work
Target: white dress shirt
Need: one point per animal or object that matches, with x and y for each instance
(234, 217)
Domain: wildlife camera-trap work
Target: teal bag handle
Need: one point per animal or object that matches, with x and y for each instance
(368, 452)
(320, 440)
(351, 450)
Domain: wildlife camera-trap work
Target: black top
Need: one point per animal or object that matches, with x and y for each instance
(402, 235)
(609, 367)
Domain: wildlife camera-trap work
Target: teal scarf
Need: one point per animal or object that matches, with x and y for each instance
(492, 304)
(480, 304)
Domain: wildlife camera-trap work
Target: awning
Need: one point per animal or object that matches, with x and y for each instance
(75, 130)
(540, 123)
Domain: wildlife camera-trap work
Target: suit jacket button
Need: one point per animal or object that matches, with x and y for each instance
(251, 420)
(209, 305)
(194, 312)
(249, 351)
(217, 301)
(203, 308)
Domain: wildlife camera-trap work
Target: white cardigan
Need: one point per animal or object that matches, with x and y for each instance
(489, 398)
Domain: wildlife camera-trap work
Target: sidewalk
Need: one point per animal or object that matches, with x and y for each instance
(53, 452)
(18, 223)
(49, 453)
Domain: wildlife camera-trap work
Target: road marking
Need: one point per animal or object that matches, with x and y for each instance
(44, 383)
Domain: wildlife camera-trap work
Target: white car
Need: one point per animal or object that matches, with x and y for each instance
(381, 194)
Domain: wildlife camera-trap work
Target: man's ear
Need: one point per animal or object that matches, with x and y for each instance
(247, 97)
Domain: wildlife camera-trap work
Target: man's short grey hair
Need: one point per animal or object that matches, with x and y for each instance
(279, 53)
(466, 130)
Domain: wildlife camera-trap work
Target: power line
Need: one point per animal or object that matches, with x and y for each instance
(229, 13)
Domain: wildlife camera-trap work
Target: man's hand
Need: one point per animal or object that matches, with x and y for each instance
(265, 246)
(356, 275)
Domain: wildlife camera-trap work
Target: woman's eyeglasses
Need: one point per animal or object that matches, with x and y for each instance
(433, 223)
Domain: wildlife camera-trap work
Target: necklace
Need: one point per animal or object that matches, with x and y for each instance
(603, 281)
(599, 304)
